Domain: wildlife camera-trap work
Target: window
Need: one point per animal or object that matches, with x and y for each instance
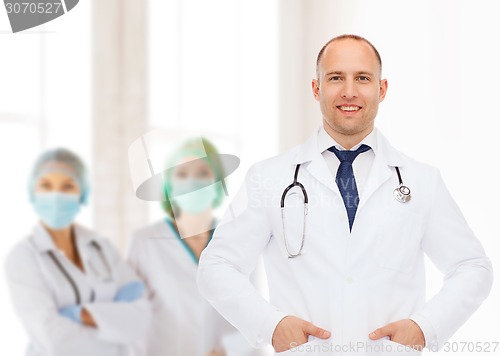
(212, 70)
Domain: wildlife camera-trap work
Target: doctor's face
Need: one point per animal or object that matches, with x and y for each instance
(193, 167)
(57, 182)
(349, 88)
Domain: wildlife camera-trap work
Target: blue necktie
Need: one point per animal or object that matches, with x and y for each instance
(345, 179)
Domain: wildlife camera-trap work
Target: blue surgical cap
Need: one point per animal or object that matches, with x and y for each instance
(64, 161)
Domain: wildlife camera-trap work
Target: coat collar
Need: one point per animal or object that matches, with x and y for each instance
(308, 151)
(386, 158)
(43, 242)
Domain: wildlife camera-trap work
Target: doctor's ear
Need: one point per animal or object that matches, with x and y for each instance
(315, 88)
(383, 89)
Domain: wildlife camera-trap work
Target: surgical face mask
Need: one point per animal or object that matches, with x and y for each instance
(57, 210)
(193, 195)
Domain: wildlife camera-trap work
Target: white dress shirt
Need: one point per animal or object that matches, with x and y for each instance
(361, 165)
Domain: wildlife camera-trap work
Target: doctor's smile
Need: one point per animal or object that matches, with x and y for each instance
(349, 108)
(366, 214)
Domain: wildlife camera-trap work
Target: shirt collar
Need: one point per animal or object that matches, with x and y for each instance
(325, 141)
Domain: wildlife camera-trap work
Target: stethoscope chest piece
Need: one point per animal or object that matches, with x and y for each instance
(402, 194)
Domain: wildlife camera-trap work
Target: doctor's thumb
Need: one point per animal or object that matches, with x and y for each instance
(315, 331)
(380, 333)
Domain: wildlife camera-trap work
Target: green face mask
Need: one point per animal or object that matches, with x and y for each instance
(193, 195)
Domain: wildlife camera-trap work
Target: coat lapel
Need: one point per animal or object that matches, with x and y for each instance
(379, 174)
(386, 158)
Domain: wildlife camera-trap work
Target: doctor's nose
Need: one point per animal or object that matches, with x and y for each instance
(349, 90)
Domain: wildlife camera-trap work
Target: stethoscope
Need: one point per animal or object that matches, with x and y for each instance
(402, 194)
(71, 280)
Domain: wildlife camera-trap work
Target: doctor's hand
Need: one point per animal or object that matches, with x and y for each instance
(130, 292)
(72, 312)
(292, 331)
(216, 352)
(78, 314)
(405, 332)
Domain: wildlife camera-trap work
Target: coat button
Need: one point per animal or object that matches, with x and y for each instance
(349, 279)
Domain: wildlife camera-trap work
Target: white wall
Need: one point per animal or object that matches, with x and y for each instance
(213, 71)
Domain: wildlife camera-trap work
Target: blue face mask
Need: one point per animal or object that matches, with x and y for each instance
(57, 210)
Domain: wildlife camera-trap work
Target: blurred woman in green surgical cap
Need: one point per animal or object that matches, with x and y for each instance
(193, 188)
(166, 253)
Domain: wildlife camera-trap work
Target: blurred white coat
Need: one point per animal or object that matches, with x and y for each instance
(39, 288)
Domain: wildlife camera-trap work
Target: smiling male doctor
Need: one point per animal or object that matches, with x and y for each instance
(359, 278)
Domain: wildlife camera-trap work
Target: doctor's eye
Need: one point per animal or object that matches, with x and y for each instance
(67, 187)
(44, 186)
(363, 78)
(204, 173)
(180, 174)
(335, 78)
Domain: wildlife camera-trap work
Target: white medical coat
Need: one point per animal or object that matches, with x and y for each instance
(39, 289)
(348, 283)
(183, 323)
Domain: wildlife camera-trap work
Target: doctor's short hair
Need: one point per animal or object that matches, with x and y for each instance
(344, 37)
(192, 147)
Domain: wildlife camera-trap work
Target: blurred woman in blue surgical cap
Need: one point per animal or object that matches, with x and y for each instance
(72, 291)
(166, 253)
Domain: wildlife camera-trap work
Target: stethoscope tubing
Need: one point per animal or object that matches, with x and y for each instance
(67, 276)
(70, 280)
(401, 194)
